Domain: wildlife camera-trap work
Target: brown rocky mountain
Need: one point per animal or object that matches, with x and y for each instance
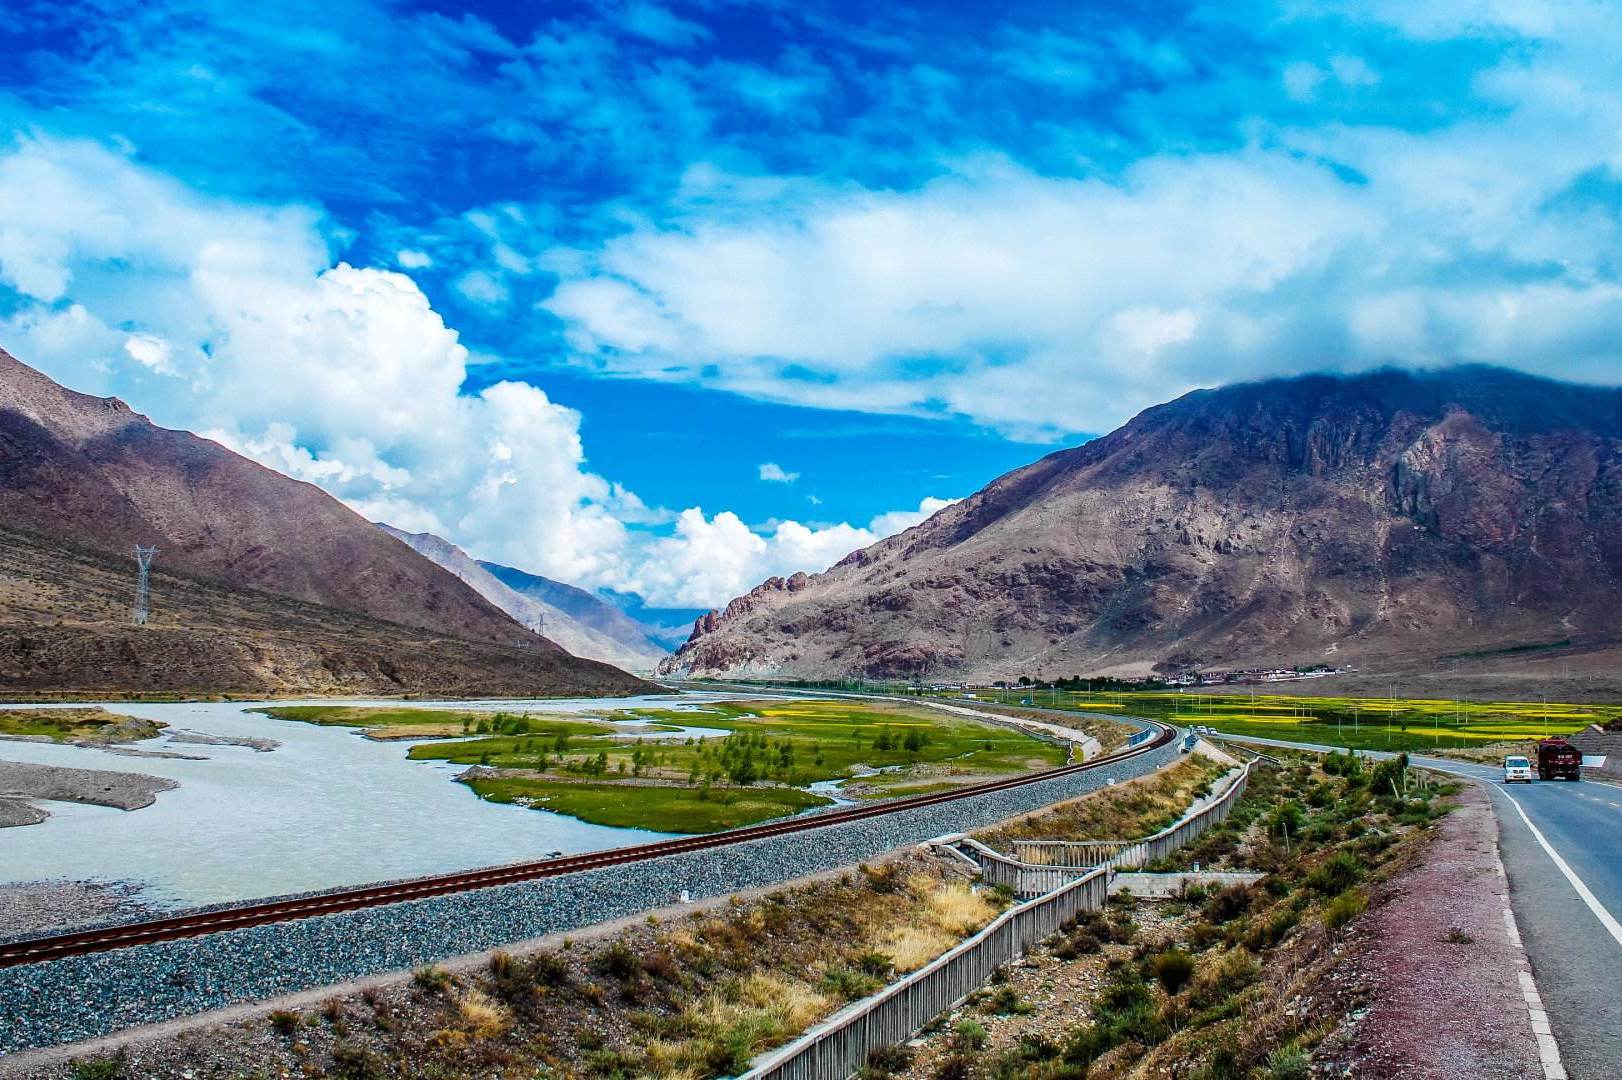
(90, 476)
(1380, 518)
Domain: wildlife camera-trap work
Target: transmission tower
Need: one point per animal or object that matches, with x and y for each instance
(143, 564)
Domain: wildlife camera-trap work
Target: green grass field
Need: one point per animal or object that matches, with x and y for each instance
(793, 742)
(641, 806)
(1411, 724)
(398, 722)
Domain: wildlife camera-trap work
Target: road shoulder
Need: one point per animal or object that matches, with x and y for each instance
(1442, 968)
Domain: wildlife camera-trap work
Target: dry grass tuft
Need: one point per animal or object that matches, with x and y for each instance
(957, 909)
(482, 1017)
(911, 947)
(732, 1022)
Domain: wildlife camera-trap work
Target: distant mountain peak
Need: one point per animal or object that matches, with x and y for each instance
(572, 617)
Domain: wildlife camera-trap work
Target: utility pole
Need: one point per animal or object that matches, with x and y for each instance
(143, 564)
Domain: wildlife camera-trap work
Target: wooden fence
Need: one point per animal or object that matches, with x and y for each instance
(838, 1046)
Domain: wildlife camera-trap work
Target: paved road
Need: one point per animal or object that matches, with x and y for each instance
(1568, 915)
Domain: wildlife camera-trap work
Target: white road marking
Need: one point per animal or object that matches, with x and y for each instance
(1542, 1033)
(1606, 919)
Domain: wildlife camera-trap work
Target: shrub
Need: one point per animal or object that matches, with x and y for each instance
(108, 1068)
(1288, 1063)
(1335, 876)
(621, 963)
(1286, 819)
(1173, 969)
(1345, 907)
(884, 879)
(548, 969)
(886, 1061)
(955, 1067)
(1336, 763)
(848, 983)
(431, 978)
(1125, 1013)
(1230, 903)
(1005, 1002)
(969, 1035)
(284, 1021)
(1267, 934)
(876, 964)
(1387, 779)
(355, 1062)
(1034, 1047)
(1078, 943)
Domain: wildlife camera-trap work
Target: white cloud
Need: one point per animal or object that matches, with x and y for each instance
(411, 259)
(240, 326)
(1048, 305)
(483, 288)
(773, 472)
(151, 351)
(720, 556)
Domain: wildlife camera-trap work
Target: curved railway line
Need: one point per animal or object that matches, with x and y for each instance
(257, 913)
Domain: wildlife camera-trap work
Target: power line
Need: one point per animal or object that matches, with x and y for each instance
(143, 564)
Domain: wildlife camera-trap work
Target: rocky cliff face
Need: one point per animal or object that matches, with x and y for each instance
(96, 476)
(1318, 519)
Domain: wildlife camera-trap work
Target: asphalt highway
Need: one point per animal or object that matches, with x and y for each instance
(1562, 849)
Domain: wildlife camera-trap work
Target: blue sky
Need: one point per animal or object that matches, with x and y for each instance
(668, 297)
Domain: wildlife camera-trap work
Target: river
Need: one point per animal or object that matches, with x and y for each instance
(325, 808)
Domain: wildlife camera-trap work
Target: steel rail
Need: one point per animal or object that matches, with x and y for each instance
(258, 913)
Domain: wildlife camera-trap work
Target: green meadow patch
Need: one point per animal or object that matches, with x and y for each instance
(1397, 724)
(647, 806)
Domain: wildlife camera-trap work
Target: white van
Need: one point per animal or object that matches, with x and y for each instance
(1517, 768)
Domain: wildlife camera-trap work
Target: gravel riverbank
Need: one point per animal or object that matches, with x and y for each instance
(35, 907)
(101, 787)
(85, 997)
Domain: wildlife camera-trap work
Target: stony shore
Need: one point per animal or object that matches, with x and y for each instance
(100, 787)
(33, 907)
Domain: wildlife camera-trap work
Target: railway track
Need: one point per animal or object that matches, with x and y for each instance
(258, 913)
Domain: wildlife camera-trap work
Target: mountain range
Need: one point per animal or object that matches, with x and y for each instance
(263, 584)
(1388, 517)
(572, 617)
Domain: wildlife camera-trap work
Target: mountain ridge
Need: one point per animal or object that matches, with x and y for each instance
(96, 475)
(530, 603)
(1319, 517)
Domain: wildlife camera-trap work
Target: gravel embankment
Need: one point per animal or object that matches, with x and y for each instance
(102, 787)
(85, 997)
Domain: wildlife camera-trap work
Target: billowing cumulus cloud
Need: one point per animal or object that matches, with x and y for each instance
(244, 329)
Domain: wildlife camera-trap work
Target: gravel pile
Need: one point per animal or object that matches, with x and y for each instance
(85, 997)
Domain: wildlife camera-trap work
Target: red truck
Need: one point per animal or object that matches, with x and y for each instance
(1559, 760)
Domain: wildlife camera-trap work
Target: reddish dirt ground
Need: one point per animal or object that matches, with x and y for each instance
(1439, 968)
